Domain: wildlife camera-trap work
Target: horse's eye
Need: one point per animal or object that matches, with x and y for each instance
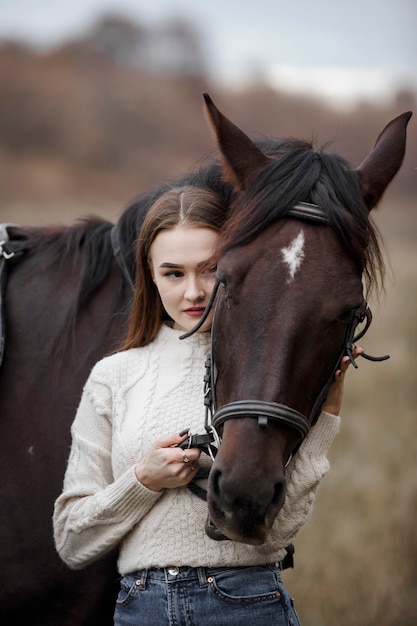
(347, 315)
(221, 278)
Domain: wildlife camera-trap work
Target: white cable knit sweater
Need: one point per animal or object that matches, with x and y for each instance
(130, 399)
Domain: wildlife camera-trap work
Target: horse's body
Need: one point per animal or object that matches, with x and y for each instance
(45, 366)
(66, 306)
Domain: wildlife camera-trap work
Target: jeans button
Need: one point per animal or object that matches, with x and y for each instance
(174, 571)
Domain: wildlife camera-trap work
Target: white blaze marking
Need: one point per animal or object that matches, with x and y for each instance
(294, 254)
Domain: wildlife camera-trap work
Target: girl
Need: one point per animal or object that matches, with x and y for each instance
(125, 484)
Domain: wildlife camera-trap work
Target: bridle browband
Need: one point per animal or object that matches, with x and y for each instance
(274, 411)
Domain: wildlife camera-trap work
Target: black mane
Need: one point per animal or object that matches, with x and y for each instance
(87, 242)
(298, 173)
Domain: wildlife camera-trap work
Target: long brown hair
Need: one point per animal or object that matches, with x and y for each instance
(190, 206)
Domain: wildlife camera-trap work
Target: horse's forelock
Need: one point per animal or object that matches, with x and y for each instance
(302, 174)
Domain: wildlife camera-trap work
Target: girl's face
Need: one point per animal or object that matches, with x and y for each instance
(176, 262)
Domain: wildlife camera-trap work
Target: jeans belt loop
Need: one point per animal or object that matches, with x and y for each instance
(202, 577)
(141, 582)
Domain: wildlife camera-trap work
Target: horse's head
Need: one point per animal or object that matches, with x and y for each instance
(289, 299)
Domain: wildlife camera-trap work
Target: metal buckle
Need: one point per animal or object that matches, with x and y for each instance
(3, 253)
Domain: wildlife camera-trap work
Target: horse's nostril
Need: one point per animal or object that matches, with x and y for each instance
(279, 494)
(215, 481)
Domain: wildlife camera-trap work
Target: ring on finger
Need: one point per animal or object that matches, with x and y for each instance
(185, 457)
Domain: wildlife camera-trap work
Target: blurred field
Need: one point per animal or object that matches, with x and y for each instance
(80, 138)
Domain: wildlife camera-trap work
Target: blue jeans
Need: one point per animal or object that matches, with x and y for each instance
(186, 596)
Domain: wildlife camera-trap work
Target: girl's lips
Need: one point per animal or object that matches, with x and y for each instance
(195, 311)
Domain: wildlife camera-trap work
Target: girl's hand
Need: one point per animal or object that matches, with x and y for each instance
(165, 466)
(333, 402)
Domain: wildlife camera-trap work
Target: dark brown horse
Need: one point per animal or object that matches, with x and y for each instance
(66, 303)
(66, 300)
(291, 260)
(48, 355)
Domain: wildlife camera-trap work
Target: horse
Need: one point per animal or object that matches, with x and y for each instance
(43, 372)
(292, 260)
(66, 299)
(67, 294)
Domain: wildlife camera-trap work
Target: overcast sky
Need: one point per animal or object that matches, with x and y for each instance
(339, 49)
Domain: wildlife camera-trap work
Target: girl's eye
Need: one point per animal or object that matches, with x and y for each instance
(174, 274)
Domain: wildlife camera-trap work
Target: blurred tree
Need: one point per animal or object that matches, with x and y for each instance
(125, 98)
(118, 38)
(178, 48)
(406, 99)
(174, 47)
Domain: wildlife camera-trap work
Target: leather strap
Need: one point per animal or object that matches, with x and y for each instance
(263, 411)
(9, 251)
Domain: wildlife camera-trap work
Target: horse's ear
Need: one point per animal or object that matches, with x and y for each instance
(240, 155)
(382, 164)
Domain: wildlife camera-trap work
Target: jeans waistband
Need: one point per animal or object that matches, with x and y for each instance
(181, 573)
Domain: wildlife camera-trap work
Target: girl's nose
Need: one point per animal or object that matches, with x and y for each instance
(194, 289)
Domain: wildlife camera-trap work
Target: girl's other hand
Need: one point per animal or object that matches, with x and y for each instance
(333, 402)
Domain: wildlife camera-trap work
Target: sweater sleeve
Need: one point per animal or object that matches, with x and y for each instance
(303, 475)
(94, 511)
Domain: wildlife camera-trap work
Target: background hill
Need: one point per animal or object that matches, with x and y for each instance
(88, 126)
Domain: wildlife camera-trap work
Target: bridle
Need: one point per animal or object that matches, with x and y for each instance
(216, 417)
(275, 412)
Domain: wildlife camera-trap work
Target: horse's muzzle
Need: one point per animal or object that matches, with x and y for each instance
(242, 511)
